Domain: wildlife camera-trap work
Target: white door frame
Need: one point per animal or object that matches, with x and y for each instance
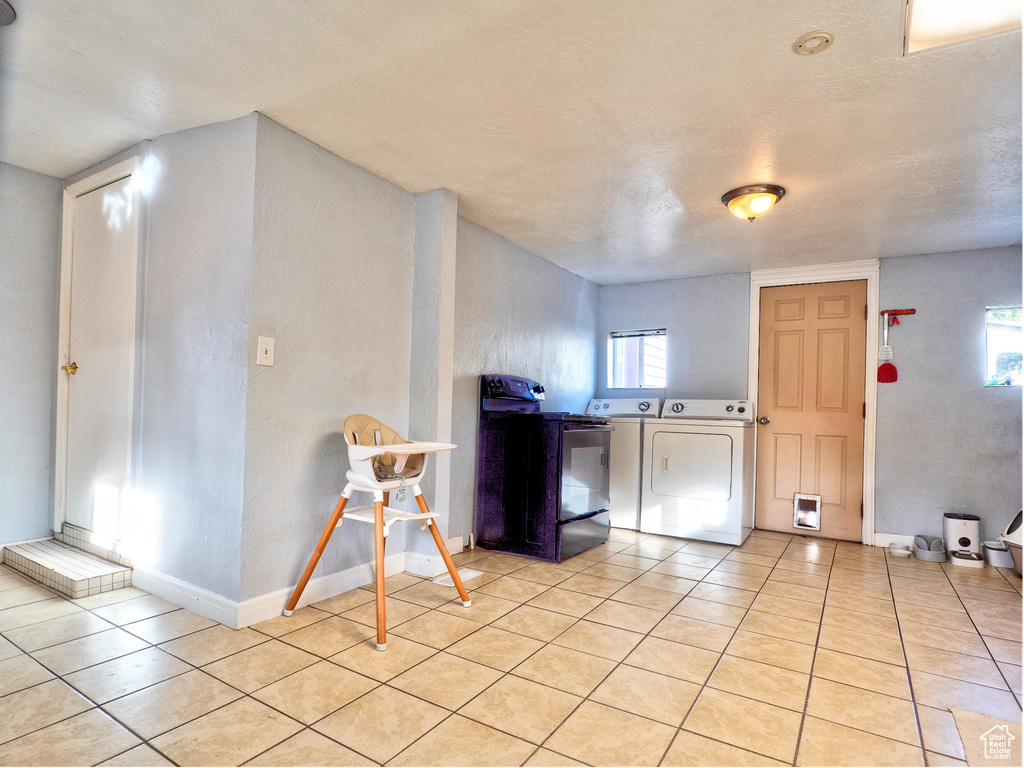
(829, 273)
(72, 192)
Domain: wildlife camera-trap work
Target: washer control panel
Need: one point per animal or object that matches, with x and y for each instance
(625, 406)
(734, 410)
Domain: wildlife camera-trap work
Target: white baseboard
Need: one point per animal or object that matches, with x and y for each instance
(885, 539)
(264, 607)
(430, 566)
(196, 599)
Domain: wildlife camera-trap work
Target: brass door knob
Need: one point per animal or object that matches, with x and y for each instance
(72, 369)
(764, 420)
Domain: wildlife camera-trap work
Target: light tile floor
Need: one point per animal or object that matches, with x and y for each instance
(643, 651)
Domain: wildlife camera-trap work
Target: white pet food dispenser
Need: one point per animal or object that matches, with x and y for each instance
(962, 533)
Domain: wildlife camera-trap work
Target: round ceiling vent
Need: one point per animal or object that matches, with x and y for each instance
(7, 14)
(813, 42)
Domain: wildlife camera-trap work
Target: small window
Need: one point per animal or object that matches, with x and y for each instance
(637, 360)
(1003, 346)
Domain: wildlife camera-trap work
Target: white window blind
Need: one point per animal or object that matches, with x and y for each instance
(637, 359)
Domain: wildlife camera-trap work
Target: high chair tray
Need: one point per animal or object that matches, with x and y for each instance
(399, 449)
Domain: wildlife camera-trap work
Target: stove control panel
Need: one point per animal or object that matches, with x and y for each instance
(625, 406)
(733, 410)
(517, 387)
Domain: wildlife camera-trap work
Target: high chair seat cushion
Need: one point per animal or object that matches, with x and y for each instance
(363, 430)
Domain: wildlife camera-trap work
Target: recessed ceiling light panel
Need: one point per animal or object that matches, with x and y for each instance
(931, 23)
(7, 14)
(813, 42)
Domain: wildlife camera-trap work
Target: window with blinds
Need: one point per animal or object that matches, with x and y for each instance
(637, 359)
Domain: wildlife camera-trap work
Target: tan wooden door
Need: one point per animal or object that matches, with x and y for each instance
(811, 392)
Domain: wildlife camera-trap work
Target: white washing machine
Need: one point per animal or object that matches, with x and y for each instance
(698, 471)
(627, 415)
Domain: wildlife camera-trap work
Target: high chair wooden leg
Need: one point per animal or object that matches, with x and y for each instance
(378, 549)
(466, 602)
(321, 545)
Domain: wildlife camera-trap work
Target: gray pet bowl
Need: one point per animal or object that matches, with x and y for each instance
(930, 548)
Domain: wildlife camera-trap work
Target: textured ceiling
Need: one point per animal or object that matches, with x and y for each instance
(600, 135)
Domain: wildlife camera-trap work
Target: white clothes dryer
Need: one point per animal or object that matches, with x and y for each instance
(698, 471)
(627, 416)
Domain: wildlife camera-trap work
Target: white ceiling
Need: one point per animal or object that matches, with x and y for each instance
(598, 134)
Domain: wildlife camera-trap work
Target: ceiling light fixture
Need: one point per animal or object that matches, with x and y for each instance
(813, 42)
(931, 23)
(752, 201)
(7, 14)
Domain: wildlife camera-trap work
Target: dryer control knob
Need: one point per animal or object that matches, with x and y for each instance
(677, 407)
(644, 406)
(728, 409)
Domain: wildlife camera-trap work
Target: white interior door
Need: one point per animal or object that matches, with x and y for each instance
(98, 302)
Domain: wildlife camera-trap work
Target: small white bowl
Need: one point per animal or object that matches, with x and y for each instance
(898, 550)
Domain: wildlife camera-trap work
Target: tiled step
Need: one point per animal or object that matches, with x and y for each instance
(69, 571)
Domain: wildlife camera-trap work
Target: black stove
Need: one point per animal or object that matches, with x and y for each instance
(542, 477)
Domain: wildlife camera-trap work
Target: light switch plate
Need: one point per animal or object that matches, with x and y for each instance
(265, 351)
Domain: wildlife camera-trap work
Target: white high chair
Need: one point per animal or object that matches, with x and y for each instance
(381, 461)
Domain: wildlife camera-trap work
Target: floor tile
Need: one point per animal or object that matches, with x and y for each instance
(657, 697)
(565, 669)
(787, 654)
(394, 583)
(599, 640)
(645, 597)
(400, 655)
(428, 594)
(764, 682)
(260, 665)
(436, 629)
(625, 616)
(126, 674)
(703, 562)
(37, 707)
(87, 651)
(212, 644)
(446, 680)
(860, 622)
(972, 669)
(798, 578)
(875, 647)
(947, 693)
(784, 606)
(346, 601)
(8, 649)
(56, 631)
(731, 565)
(108, 598)
(871, 675)
(735, 580)
(32, 593)
(716, 593)
(382, 723)
(19, 672)
(282, 625)
(535, 622)
(682, 570)
(740, 556)
(33, 613)
(600, 735)
(315, 692)
(861, 603)
(166, 705)
(543, 573)
(689, 749)
(745, 723)
(778, 588)
(566, 601)
(496, 648)
(941, 618)
(939, 731)
(1000, 648)
(309, 748)
(672, 584)
(864, 710)
(591, 585)
(129, 611)
(227, 736)
(516, 590)
(826, 743)
(665, 657)
(501, 563)
(706, 610)
(935, 759)
(545, 758)
(330, 636)
(614, 572)
(633, 561)
(142, 755)
(168, 626)
(523, 708)
(785, 627)
(459, 741)
(484, 610)
(1012, 674)
(810, 569)
(945, 639)
(84, 739)
(702, 634)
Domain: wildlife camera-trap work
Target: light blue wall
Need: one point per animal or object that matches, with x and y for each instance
(946, 442)
(707, 320)
(518, 314)
(332, 283)
(30, 205)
